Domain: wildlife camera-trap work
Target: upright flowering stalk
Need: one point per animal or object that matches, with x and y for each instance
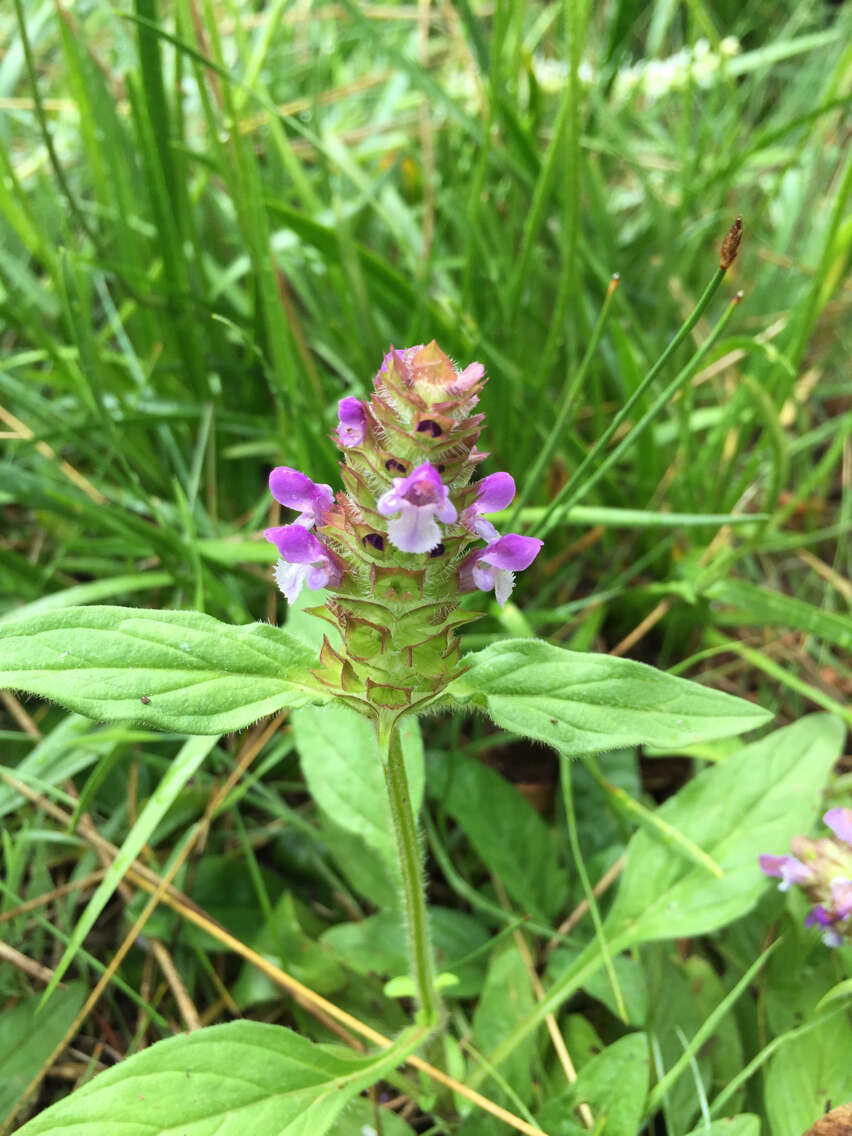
(396, 549)
(823, 870)
(405, 539)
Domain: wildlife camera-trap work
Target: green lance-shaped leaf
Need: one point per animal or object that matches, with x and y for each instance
(754, 802)
(583, 703)
(178, 670)
(228, 1080)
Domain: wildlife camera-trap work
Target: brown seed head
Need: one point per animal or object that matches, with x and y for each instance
(731, 244)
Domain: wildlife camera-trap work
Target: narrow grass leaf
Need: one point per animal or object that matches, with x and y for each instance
(185, 764)
(750, 605)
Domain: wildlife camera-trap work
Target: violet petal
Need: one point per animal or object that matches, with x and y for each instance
(290, 578)
(495, 492)
(414, 530)
(839, 820)
(786, 868)
(294, 489)
(295, 544)
(389, 502)
(483, 528)
(841, 897)
(423, 486)
(352, 422)
(512, 552)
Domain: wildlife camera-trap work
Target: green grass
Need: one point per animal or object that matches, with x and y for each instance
(213, 221)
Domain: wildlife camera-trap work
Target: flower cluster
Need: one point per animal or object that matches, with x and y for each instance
(823, 869)
(408, 535)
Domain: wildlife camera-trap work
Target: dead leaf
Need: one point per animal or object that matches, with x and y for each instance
(838, 1122)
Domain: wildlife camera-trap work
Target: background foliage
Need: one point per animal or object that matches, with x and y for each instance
(215, 217)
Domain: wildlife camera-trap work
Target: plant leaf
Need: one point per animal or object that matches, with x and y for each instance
(586, 703)
(746, 1124)
(343, 767)
(27, 1040)
(229, 1080)
(613, 1084)
(507, 833)
(506, 997)
(807, 1076)
(178, 670)
(749, 605)
(754, 802)
(377, 945)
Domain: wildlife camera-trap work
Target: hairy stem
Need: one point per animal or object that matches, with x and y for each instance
(413, 884)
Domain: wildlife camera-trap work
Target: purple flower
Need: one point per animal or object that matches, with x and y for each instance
(304, 560)
(419, 499)
(786, 868)
(841, 897)
(840, 823)
(494, 493)
(291, 488)
(819, 917)
(495, 565)
(826, 918)
(352, 422)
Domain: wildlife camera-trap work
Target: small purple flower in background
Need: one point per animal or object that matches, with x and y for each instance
(823, 869)
(419, 499)
(291, 488)
(494, 493)
(839, 910)
(495, 565)
(304, 560)
(352, 422)
(787, 869)
(840, 823)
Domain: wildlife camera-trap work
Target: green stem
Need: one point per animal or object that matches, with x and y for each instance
(411, 871)
(569, 490)
(659, 402)
(568, 396)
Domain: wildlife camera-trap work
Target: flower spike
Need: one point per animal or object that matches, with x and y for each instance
(408, 536)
